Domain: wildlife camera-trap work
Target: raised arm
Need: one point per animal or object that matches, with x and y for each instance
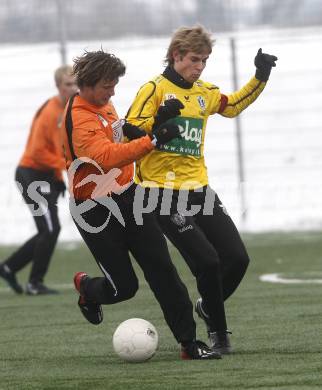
(233, 104)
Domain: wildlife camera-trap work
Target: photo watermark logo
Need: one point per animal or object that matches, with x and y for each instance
(147, 197)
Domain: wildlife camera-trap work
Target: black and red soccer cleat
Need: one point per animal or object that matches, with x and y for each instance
(198, 350)
(92, 311)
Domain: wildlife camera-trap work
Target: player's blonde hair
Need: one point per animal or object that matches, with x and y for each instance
(62, 71)
(196, 39)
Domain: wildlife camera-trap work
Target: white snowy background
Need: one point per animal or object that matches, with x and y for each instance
(281, 131)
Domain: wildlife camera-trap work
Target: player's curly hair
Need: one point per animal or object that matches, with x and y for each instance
(196, 39)
(93, 66)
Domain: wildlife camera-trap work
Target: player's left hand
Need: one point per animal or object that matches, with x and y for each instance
(264, 63)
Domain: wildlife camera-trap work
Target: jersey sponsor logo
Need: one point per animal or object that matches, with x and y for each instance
(191, 137)
(185, 228)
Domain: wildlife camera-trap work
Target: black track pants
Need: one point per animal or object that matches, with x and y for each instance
(110, 247)
(213, 250)
(39, 248)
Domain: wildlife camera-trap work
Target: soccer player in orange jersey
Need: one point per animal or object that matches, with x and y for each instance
(39, 177)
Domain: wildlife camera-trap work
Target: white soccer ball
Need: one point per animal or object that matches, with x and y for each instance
(135, 340)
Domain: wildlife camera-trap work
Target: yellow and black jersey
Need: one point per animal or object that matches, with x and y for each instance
(180, 163)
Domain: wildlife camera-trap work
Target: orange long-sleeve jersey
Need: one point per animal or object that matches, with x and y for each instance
(44, 150)
(88, 136)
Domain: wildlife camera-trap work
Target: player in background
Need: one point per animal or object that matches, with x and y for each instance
(42, 161)
(208, 240)
(100, 172)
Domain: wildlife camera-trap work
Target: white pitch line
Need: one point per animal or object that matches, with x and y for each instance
(277, 278)
(58, 286)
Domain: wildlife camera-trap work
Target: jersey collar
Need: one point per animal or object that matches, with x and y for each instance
(170, 74)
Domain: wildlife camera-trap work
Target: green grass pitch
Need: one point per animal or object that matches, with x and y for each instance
(46, 344)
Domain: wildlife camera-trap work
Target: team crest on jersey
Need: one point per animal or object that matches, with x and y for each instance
(169, 96)
(178, 219)
(201, 102)
(103, 120)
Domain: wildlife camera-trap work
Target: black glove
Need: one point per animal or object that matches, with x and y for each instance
(132, 132)
(165, 133)
(170, 110)
(264, 63)
(60, 187)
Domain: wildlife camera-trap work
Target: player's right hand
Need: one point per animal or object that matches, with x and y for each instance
(132, 132)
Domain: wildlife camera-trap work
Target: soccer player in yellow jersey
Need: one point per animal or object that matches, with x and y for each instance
(196, 221)
(100, 172)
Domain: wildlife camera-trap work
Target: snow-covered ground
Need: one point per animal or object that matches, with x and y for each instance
(281, 131)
